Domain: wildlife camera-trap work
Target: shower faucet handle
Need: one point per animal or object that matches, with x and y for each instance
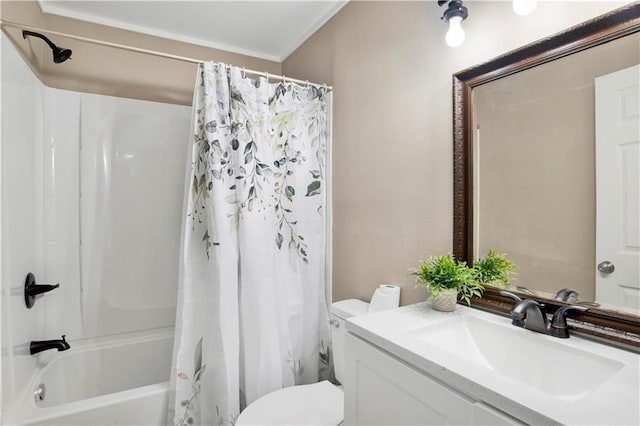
(32, 289)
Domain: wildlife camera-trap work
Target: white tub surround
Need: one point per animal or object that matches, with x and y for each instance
(91, 199)
(470, 366)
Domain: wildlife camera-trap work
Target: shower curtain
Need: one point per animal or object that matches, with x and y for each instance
(252, 310)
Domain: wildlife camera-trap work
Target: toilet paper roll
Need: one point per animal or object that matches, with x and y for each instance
(386, 296)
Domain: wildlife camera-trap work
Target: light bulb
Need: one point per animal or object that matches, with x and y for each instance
(524, 7)
(455, 35)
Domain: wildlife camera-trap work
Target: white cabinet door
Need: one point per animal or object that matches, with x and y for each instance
(381, 390)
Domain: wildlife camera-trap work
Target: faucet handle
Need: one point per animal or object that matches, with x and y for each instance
(526, 290)
(563, 310)
(590, 304)
(515, 298)
(558, 326)
(32, 289)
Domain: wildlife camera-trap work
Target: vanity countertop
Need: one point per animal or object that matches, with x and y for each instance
(566, 381)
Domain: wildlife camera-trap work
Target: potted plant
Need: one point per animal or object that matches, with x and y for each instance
(447, 279)
(495, 269)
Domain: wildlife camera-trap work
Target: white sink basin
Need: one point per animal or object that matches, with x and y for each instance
(535, 360)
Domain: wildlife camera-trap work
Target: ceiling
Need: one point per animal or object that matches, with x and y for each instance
(265, 29)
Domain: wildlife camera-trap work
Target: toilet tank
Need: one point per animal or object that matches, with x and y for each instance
(339, 312)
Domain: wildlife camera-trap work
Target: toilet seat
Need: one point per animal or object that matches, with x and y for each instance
(320, 404)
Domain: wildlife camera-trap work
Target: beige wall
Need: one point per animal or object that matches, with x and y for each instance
(392, 137)
(24, 12)
(391, 71)
(537, 166)
(109, 71)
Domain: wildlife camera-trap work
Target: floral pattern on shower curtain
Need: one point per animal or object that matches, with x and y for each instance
(252, 310)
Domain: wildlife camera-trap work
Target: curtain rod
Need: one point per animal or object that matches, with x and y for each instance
(153, 52)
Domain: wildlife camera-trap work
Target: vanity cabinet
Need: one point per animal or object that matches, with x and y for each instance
(380, 389)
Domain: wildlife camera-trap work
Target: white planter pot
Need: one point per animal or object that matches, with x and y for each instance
(445, 301)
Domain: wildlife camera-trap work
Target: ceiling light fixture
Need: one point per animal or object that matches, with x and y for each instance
(454, 15)
(524, 7)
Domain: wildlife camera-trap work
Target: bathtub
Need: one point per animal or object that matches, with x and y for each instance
(118, 380)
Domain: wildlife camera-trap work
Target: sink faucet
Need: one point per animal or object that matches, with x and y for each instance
(43, 345)
(570, 296)
(567, 295)
(528, 314)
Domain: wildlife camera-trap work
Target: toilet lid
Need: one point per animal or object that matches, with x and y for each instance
(317, 404)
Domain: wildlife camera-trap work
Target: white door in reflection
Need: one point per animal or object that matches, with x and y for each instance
(618, 189)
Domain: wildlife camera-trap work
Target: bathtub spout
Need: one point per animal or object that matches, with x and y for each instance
(43, 345)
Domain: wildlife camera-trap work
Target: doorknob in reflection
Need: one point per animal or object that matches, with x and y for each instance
(606, 267)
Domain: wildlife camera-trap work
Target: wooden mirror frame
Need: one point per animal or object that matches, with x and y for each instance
(600, 323)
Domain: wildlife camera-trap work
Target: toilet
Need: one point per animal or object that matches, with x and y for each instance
(316, 404)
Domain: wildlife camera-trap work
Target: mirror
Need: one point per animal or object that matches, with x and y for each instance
(525, 160)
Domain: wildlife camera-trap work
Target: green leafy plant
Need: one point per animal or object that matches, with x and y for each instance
(495, 269)
(442, 273)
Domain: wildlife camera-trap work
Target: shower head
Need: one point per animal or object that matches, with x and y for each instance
(60, 54)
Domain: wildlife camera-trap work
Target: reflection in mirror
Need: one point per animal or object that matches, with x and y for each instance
(535, 192)
(528, 158)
